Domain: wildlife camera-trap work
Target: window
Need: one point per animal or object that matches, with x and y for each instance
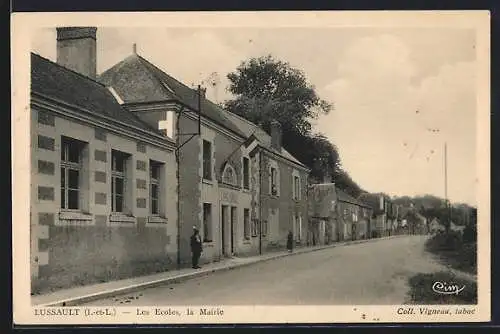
(207, 222)
(274, 181)
(255, 223)
(246, 173)
(346, 213)
(296, 188)
(264, 228)
(71, 172)
(298, 227)
(246, 223)
(155, 187)
(229, 175)
(207, 160)
(118, 180)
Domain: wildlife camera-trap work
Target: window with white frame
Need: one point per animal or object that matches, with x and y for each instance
(207, 222)
(246, 173)
(264, 228)
(274, 181)
(207, 160)
(255, 227)
(119, 181)
(355, 214)
(71, 173)
(296, 188)
(298, 227)
(246, 223)
(155, 186)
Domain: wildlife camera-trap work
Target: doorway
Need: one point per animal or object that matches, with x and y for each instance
(223, 229)
(234, 216)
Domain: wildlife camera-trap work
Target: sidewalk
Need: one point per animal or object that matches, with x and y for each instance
(83, 294)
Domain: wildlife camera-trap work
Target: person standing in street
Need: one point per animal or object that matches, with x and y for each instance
(289, 241)
(196, 247)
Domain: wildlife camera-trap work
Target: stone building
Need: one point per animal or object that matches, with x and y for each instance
(354, 217)
(103, 185)
(236, 182)
(280, 194)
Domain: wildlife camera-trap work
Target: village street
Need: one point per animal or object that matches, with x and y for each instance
(375, 272)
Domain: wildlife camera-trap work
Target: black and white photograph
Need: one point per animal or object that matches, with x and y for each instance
(251, 167)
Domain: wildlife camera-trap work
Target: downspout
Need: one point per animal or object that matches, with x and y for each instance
(260, 202)
(177, 175)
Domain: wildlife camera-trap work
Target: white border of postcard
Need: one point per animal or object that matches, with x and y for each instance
(23, 26)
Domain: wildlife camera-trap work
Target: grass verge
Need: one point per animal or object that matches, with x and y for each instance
(423, 286)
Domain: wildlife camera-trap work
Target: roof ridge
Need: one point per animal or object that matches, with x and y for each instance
(68, 69)
(243, 119)
(155, 77)
(165, 73)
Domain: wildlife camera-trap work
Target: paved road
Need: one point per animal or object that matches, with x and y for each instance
(375, 272)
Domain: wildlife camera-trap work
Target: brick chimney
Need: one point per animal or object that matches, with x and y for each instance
(76, 49)
(276, 135)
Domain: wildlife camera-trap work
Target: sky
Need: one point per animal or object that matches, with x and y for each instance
(399, 94)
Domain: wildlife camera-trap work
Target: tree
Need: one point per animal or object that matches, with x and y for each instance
(268, 89)
(346, 183)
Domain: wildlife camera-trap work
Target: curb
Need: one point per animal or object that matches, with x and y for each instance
(74, 301)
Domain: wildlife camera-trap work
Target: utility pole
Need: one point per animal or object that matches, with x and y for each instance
(447, 206)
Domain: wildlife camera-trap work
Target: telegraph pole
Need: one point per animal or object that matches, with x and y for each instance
(447, 206)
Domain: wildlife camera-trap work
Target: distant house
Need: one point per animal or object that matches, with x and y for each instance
(354, 217)
(382, 216)
(435, 226)
(335, 215)
(457, 228)
(322, 223)
(416, 223)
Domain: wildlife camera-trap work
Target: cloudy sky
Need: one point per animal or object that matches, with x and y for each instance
(399, 94)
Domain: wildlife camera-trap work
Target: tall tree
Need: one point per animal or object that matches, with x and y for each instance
(268, 89)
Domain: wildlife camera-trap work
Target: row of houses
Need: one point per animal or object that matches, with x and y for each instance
(125, 163)
(336, 216)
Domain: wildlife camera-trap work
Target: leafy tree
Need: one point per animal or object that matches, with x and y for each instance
(266, 88)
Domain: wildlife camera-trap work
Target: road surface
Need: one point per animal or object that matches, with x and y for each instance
(375, 272)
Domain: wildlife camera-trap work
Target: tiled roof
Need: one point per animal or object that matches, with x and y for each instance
(263, 137)
(344, 197)
(60, 83)
(137, 80)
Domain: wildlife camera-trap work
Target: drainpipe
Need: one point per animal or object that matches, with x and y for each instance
(260, 202)
(177, 175)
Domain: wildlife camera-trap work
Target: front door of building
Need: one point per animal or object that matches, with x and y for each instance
(233, 223)
(223, 229)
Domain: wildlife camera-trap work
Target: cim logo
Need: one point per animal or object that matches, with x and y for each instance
(444, 288)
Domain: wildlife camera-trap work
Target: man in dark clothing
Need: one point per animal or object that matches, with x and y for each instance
(289, 241)
(196, 247)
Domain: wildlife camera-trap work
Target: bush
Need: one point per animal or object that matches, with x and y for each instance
(453, 251)
(421, 291)
(445, 241)
(470, 234)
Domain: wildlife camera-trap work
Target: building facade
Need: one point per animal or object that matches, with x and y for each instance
(103, 182)
(237, 184)
(354, 217)
(337, 216)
